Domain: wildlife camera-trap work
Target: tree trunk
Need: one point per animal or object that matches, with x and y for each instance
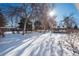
(12, 25)
(17, 29)
(24, 30)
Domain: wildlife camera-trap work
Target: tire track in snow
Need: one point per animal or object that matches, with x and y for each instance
(21, 48)
(43, 47)
(45, 44)
(14, 44)
(31, 39)
(31, 49)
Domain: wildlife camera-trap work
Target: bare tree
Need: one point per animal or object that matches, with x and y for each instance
(36, 12)
(40, 12)
(69, 21)
(26, 15)
(52, 22)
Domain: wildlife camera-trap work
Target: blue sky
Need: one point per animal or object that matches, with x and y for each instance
(62, 9)
(65, 10)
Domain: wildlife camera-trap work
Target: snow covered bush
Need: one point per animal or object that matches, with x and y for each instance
(70, 43)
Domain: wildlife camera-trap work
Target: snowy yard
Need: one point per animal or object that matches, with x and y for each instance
(39, 44)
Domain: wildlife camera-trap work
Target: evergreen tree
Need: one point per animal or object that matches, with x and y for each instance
(28, 24)
(21, 24)
(2, 20)
(2, 24)
(75, 27)
(37, 25)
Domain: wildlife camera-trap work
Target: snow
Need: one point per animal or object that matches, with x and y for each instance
(38, 44)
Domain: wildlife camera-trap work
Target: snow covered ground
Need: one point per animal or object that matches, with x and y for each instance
(39, 44)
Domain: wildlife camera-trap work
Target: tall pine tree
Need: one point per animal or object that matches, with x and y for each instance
(2, 24)
(28, 24)
(21, 24)
(2, 20)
